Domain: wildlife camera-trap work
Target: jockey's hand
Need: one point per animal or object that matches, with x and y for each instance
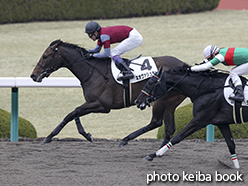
(89, 55)
(204, 61)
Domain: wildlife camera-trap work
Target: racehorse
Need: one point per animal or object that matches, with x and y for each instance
(102, 93)
(205, 89)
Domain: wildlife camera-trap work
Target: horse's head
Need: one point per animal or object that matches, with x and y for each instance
(146, 96)
(49, 62)
(160, 84)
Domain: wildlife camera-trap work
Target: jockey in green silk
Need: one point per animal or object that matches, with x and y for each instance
(237, 57)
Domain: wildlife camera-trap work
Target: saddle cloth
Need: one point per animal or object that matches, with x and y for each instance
(229, 90)
(142, 68)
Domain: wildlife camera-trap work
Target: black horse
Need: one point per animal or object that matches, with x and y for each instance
(101, 91)
(205, 89)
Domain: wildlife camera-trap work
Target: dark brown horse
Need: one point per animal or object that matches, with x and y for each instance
(205, 89)
(101, 91)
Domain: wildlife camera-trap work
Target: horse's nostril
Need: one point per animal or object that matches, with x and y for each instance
(136, 102)
(142, 106)
(33, 77)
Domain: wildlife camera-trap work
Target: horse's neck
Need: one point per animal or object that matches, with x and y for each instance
(73, 60)
(85, 70)
(192, 86)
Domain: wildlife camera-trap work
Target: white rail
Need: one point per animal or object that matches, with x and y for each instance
(52, 82)
(16, 82)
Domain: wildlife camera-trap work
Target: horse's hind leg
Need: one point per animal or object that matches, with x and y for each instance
(226, 132)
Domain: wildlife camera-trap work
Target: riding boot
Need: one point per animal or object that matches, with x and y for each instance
(239, 94)
(126, 71)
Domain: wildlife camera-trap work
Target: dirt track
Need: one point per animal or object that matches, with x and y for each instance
(103, 163)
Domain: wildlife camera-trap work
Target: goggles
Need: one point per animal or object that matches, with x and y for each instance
(91, 34)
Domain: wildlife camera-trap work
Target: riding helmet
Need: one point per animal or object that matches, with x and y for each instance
(209, 51)
(92, 27)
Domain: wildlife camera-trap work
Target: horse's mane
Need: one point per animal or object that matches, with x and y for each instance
(179, 69)
(186, 68)
(68, 45)
(208, 75)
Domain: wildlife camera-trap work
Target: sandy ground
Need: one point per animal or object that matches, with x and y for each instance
(103, 163)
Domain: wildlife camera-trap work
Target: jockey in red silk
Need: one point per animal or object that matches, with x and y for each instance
(237, 57)
(127, 37)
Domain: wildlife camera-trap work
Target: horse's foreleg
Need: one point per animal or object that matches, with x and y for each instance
(170, 103)
(157, 116)
(82, 131)
(162, 109)
(169, 126)
(227, 134)
(192, 127)
(56, 131)
(154, 124)
(48, 139)
(84, 109)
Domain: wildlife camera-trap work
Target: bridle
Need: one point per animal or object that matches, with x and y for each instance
(52, 65)
(48, 68)
(150, 93)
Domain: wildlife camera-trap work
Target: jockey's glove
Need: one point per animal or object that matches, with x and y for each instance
(89, 55)
(202, 67)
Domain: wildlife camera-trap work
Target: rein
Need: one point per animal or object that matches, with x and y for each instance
(54, 59)
(177, 82)
(197, 92)
(53, 67)
(93, 68)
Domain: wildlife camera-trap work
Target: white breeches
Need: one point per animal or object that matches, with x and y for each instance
(134, 40)
(238, 70)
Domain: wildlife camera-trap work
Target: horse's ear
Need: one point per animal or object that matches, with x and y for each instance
(160, 71)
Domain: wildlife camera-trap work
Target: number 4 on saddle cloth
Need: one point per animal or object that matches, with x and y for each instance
(142, 68)
(237, 107)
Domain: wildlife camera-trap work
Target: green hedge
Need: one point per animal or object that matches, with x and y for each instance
(26, 129)
(183, 115)
(12, 11)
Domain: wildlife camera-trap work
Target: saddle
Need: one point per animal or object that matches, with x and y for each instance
(142, 68)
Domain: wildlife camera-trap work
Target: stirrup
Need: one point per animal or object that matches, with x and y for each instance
(124, 76)
(237, 98)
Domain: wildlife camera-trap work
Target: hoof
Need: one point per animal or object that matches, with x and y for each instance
(90, 138)
(122, 143)
(150, 157)
(47, 140)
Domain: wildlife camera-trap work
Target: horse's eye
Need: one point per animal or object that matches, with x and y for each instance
(44, 57)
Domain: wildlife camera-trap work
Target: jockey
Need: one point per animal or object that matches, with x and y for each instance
(237, 57)
(127, 37)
